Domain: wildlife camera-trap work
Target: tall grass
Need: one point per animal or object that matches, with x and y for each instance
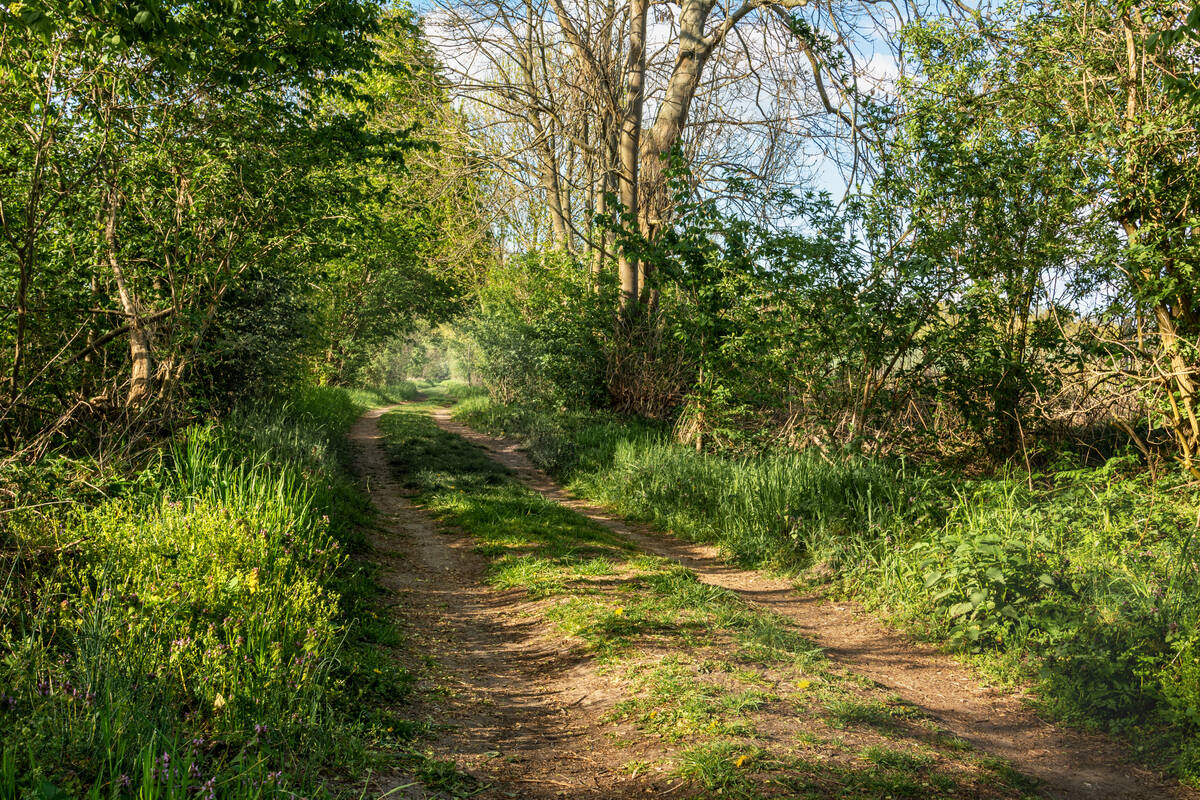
(1084, 583)
(181, 636)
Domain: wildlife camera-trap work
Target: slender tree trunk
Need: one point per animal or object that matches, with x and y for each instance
(140, 353)
(560, 233)
(27, 252)
(672, 115)
(630, 139)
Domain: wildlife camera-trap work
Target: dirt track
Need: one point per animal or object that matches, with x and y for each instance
(526, 712)
(1070, 764)
(523, 711)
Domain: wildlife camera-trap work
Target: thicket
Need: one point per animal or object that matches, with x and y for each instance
(202, 200)
(1016, 274)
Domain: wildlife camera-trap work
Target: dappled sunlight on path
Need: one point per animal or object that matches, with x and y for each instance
(1070, 764)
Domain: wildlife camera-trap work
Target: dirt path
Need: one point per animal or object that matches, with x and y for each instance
(1070, 764)
(520, 712)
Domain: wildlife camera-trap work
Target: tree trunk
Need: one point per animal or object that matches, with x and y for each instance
(631, 132)
(140, 353)
(667, 129)
(560, 233)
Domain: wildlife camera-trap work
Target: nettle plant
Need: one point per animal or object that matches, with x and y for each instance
(986, 583)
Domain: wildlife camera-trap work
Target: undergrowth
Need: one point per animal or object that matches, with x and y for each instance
(183, 629)
(1083, 582)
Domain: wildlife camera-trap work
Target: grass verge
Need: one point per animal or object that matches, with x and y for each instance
(184, 629)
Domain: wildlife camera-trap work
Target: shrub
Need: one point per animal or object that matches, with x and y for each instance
(538, 332)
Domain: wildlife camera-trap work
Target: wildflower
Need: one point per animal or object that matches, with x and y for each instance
(259, 730)
(43, 688)
(803, 684)
(741, 760)
(193, 770)
(619, 611)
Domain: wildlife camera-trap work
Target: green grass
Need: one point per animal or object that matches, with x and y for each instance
(699, 670)
(1083, 582)
(194, 612)
(383, 395)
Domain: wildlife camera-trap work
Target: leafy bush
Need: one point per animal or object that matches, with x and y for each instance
(538, 329)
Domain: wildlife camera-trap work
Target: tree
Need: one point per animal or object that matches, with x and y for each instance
(200, 186)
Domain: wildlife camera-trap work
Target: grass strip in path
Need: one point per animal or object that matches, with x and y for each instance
(1068, 763)
(716, 694)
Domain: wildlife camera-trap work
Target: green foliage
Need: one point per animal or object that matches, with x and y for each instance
(1009, 167)
(1002, 218)
(538, 330)
(411, 246)
(190, 627)
(250, 193)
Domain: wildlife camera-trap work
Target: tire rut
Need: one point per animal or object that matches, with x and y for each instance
(518, 712)
(1069, 764)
